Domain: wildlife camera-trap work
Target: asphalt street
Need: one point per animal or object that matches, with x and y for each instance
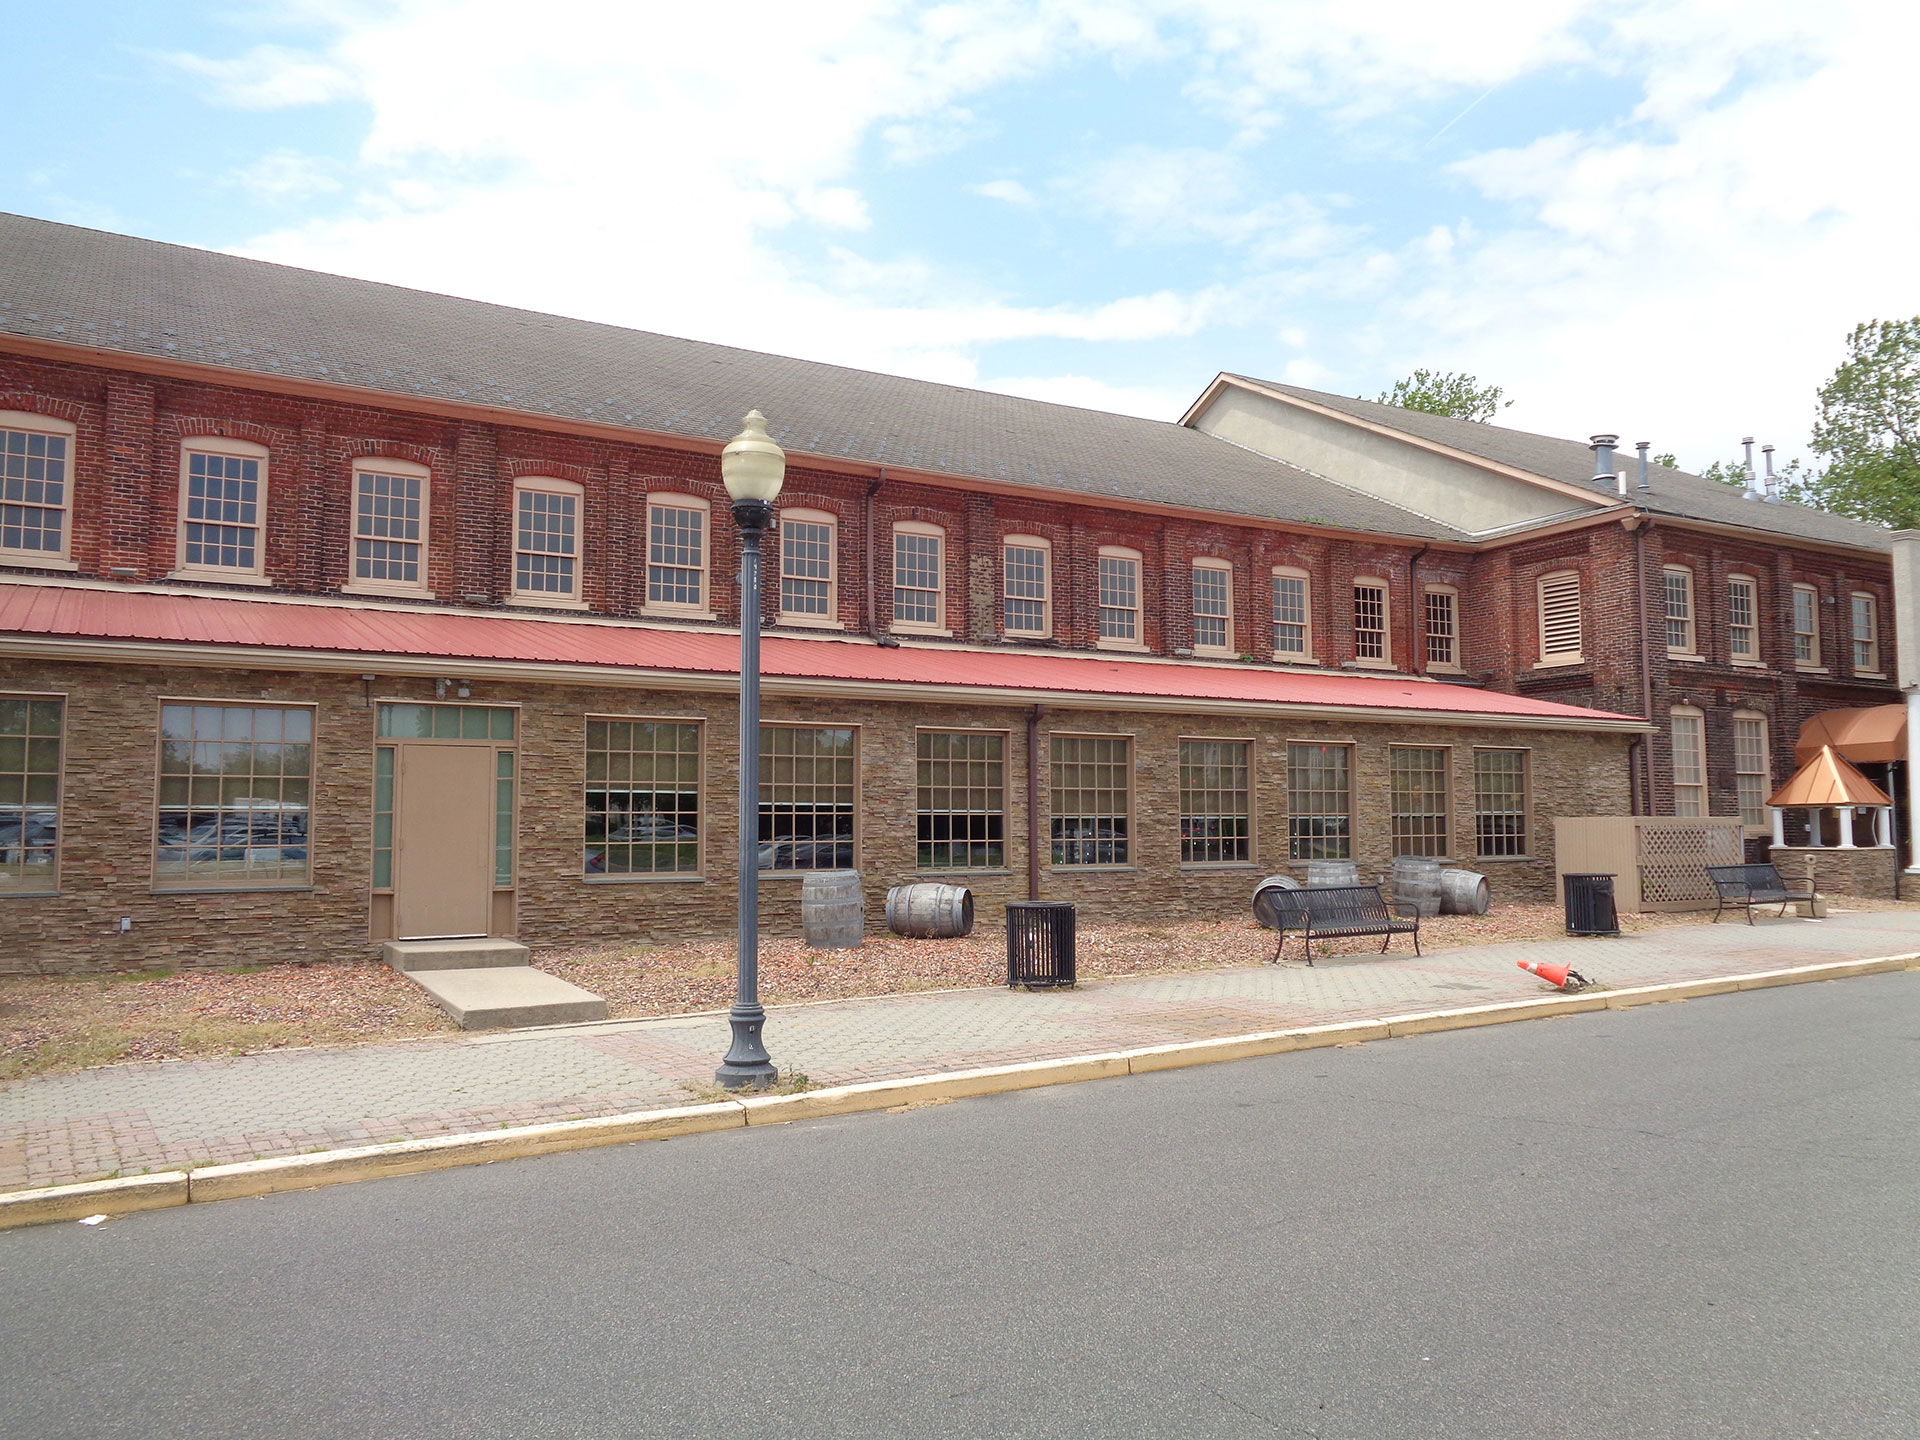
(1693, 1219)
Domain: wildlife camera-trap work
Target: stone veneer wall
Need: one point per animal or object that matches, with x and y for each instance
(1869, 873)
(108, 817)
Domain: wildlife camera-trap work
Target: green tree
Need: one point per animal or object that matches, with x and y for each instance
(1446, 392)
(1869, 429)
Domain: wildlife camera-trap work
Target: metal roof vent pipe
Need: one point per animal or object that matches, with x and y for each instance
(1621, 481)
(1773, 481)
(1750, 490)
(1602, 447)
(1643, 446)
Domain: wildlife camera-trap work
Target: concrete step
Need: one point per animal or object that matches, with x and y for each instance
(408, 956)
(498, 996)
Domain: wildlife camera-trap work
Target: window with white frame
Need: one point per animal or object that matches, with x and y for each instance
(808, 563)
(1677, 591)
(1119, 595)
(1689, 762)
(1806, 625)
(1213, 606)
(390, 526)
(36, 488)
(546, 540)
(1292, 614)
(1027, 565)
(1750, 767)
(1499, 803)
(919, 576)
(1370, 642)
(1561, 636)
(1743, 635)
(1441, 612)
(1866, 634)
(223, 507)
(677, 528)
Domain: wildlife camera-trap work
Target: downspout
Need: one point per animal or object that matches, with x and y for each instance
(1033, 801)
(1416, 637)
(1643, 802)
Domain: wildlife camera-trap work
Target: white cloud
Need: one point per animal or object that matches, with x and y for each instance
(271, 77)
(1011, 191)
(285, 176)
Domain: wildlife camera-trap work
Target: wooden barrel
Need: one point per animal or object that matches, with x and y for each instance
(832, 910)
(1464, 892)
(1416, 883)
(1272, 882)
(930, 912)
(1332, 872)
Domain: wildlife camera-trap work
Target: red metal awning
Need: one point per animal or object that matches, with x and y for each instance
(144, 618)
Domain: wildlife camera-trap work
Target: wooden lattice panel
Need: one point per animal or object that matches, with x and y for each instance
(1674, 857)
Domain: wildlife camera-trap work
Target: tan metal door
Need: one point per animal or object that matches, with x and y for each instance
(443, 841)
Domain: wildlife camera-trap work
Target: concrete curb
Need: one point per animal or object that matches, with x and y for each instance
(368, 1162)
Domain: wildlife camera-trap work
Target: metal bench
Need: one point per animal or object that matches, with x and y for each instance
(1333, 912)
(1749, 885)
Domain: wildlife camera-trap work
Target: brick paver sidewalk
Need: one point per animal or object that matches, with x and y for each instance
(125, 1119)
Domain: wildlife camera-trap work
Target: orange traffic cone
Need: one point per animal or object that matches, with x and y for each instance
(1565, 976)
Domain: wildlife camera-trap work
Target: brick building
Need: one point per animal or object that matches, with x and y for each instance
(331, 612)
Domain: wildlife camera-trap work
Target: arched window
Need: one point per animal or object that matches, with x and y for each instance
(1212, 607)
(809, 569)
(1027, 595)
(546, 542)
(36, 490)
(389, 556)
(919, 578)
(223, 510)
(677, 555)
(1119, 598)
(1292, 614)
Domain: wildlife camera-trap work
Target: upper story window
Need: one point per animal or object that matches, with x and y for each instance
(1743, 636)
(1561, 639)
(1806, 626)
(1866, 634)
(808, 556)
(223, 507)
(1119, 596)
(1677, 589)
(677, 553)
(546, 541)
(1213, 607)
(1292, 614)
(919, 576)
(36, 489)
(1028, 565)
(1371, 645)
(389, 527)
(1440, 610)
(1689, 761)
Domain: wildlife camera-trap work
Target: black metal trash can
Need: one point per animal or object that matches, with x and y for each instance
(1039, 943)
(1590, 909)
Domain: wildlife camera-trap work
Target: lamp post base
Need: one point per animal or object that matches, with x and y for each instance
(747, 1066)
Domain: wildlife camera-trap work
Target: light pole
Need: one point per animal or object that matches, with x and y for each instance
(752, 467)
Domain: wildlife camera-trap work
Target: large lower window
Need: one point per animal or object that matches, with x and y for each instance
(1319, 802)
(962, 800)
(1091, 799)
(1750, 768)
(546, 543)
(1689, 763)
(30, 735)
(643, 797)
(1215, 803)
(235, 794)
(1499, 803)
(676, 555)
(34, 493)
(806, 797)
(1418, 779)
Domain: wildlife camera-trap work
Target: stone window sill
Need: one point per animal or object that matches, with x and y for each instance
(678, 878)
(1749, 664)
(28, 561)
(1502, 859)
(1801, 667)
(28, 894)
(921, 631)
(963, 873)
(808, 622)
(388, 592)
(676, 612)
(1373, 664)
(1064, 869)
(1560, 662)
(219, 577)
(1288, 657)
(1204, 866)
(1131, 647)
(230, 889)
(1869, 674)
(1686, 657)
(547, 602)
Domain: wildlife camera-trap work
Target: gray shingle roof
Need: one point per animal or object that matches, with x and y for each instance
(1673, 492)
(61, 282)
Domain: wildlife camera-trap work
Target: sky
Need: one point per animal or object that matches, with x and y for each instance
(1655, 219)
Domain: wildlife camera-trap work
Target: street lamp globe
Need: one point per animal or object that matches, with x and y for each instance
(752, 465)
